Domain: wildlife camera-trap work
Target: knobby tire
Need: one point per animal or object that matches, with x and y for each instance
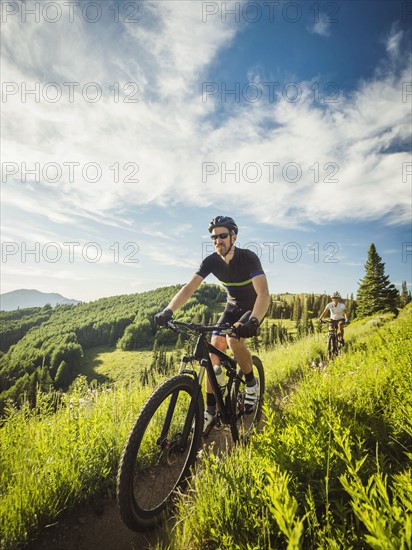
(148, 474)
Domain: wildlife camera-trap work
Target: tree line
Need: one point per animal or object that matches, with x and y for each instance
(43, 347)
(49, 352)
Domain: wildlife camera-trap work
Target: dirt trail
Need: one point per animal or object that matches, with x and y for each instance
(99, 526)
(94, 528)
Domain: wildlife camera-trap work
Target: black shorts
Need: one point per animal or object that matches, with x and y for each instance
(232, 315)
(336, 322)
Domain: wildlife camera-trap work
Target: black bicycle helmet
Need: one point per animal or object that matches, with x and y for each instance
(224, 221)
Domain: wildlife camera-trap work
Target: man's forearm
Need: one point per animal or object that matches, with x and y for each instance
(261, 306)
(180, 299)
(185, 293)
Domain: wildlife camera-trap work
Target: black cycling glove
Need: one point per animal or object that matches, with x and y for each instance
(248, 329)
(163, 317)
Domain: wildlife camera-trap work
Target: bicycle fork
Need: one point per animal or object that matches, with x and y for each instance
(163, 440)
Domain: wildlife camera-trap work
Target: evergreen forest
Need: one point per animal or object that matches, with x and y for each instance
(42, 348)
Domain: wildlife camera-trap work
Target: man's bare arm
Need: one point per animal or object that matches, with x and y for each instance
(185, 293)
(262, 302)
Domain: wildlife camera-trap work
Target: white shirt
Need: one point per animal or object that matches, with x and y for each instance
(336, 312)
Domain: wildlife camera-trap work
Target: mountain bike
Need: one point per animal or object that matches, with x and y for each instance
(335, 343)
(167, 434)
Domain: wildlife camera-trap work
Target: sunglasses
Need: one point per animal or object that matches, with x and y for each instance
(219, 236)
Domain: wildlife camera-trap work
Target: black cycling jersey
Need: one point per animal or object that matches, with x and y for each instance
(236, 276)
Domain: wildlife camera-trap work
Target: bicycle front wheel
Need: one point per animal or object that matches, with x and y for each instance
(332, 349)
(156, 459)
(245, 423)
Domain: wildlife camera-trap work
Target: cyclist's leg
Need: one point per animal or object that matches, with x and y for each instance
(230, 315)
(220, 343)
(210, 411)
(242, 354)
(244, 360)
(341, 332)
(238, 346)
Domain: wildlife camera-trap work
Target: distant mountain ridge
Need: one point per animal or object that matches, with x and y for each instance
(23, 298)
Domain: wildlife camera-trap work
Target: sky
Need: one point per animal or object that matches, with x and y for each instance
(128, 125)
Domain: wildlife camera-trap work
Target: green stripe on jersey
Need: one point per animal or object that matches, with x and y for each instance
(243, 283)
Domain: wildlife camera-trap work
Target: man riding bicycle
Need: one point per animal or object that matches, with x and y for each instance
(338, 313)
(240, 272)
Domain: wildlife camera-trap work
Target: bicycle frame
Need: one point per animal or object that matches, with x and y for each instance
(333, 336)
(202, 352)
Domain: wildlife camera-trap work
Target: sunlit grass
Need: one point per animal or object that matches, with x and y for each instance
(329, 469)
(51, 460)
(114, 365)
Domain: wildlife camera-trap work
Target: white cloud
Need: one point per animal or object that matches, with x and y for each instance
(393, 42)
(321, 27)
(152, 151)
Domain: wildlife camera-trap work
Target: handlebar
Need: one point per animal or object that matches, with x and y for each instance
(225, 329)
(327, 321)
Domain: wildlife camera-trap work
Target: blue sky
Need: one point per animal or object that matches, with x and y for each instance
(127, 126)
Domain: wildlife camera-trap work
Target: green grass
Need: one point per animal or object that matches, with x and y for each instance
(50, 461)
(106, 364)
(330, 469)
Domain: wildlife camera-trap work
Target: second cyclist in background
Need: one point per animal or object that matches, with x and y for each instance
(338, 314)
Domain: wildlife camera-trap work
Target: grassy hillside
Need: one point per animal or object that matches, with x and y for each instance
(45, 347)
(330, 470)
(108, 365)
(48, 347)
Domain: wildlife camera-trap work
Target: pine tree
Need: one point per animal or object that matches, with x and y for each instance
(304, 319)
(273, 334)
(375, 292)
(144, 377)
(112, 338)
(323, 301)
(63, 376)
(297, 309)
(405, 295)
(350, 307)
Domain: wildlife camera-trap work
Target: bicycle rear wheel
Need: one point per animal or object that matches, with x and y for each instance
(156, 460)
(246, 423)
